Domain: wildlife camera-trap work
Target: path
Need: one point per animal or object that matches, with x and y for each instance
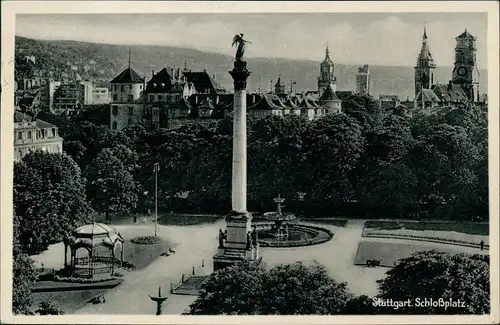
(199, 242)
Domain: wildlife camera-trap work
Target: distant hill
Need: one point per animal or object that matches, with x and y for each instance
(105, 61)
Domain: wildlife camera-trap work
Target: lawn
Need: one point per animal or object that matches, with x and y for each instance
(326, 221)
(389, 253)
(67, 301)
(465, 232)
(142, 255)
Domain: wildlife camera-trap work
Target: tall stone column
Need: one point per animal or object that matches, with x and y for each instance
(236, 247)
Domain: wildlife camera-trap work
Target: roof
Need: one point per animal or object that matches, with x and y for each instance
(204, 83)
(291, 102)
(465, 34)
(183, 104)
(128, 76)
(329, 94)
(327, 59)
(265, 103)
(278, 83)
(450, 92)
(96, 234)
(206, 104)
(307, 103)
(27, 117)
(427, 95)
(161, 82)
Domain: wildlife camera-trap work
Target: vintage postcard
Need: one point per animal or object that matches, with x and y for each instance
(249, 162)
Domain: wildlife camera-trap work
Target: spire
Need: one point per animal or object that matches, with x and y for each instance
(129, 55)
(425, 30)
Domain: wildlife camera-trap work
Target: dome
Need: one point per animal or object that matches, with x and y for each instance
(93, 235)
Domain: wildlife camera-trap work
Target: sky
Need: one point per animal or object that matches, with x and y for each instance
(355, 38)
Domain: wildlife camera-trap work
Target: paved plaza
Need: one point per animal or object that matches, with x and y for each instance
(195, 243)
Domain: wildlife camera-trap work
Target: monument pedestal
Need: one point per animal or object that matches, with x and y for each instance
(236, 248)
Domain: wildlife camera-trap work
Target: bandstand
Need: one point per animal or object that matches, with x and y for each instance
(91, 238)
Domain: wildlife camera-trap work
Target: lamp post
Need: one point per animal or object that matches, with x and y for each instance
(156, 168)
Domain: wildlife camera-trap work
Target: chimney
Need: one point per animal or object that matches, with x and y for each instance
(152, 74)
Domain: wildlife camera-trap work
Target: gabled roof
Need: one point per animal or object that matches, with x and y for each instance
(265, 103)
(329, 94)
(128, 76)
(291, 102)
(160, 83)
(427, 95)
(450, 92)
(465, 34)
(307, 103)
(206, 104)
(204, 83)
(278, 101)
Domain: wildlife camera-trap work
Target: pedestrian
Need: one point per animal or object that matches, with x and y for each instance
(482, 244)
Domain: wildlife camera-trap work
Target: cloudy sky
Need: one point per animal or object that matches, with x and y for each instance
(373, 38)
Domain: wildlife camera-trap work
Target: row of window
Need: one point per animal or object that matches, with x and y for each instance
(130, 97)
(40, 134)
(122, 88)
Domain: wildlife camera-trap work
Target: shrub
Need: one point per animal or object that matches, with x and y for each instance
(146, 240)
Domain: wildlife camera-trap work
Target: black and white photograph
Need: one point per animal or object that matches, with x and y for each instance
(268, 159)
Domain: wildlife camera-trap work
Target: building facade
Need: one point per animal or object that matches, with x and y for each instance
(465, 71)
(464, 84)
(363, 80)
(31, 134)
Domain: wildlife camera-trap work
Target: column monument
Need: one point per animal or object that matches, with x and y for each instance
(236, 243)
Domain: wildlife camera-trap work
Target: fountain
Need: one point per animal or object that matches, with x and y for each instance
(279, 218)
(282, 234)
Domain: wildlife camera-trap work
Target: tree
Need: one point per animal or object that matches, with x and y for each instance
(333, 146)
(24, 275)
(364, 109)
(48, 308)
(49, 199)
(110, 186)
(438, 275)
(247, 289)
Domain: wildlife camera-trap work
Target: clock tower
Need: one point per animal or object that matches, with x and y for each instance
(465, 72)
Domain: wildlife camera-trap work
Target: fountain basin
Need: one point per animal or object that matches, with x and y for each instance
(298, 235)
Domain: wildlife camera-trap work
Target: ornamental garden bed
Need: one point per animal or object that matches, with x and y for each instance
(454, 233)
(146, 240)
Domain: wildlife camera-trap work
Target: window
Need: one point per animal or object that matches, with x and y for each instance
(115, 88)
(130, 98)
(20, 135)
(123, 88)
(115, 126)
(115, 110)
(140, 87)
(151, 98)
(130, 110)
(115, 97)
(53, 132)
(160, 97)
(29, 135)
(130, 87)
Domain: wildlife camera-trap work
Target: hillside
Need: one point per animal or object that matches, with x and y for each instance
(104, 61)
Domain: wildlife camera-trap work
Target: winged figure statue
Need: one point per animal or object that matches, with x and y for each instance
(238, 39)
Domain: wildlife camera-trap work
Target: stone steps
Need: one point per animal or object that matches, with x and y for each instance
(234, 252)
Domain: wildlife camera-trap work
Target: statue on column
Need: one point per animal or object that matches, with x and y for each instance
(240, 51)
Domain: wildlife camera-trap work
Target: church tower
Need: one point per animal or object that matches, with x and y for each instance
(424, 74)
(465, 72)
(326, 76)
(279, 88)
